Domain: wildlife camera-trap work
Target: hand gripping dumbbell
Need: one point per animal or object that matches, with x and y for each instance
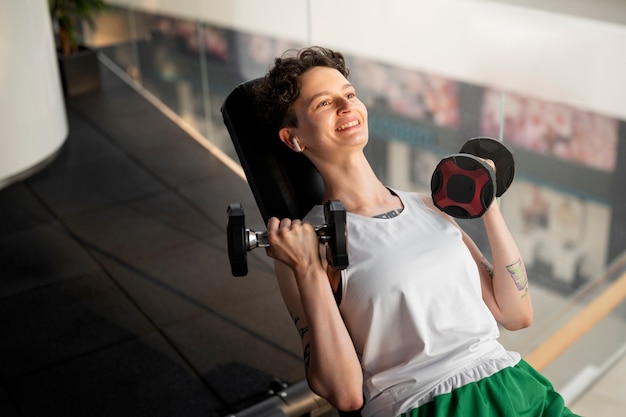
(242, 240)
(463, 185)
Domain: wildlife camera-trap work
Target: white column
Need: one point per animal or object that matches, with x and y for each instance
(33, 123)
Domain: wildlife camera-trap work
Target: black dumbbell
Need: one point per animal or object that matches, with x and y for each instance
(463, 185)
(242, 240)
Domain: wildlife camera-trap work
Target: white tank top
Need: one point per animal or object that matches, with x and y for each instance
(412, 304)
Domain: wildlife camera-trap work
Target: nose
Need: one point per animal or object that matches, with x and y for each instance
(344, 105)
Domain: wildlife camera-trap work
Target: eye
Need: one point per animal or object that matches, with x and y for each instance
(351, 95)
(323, 103)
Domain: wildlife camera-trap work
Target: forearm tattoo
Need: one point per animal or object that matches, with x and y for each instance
(303, 330)
(307, 357)
(488, 267)
(516, 270)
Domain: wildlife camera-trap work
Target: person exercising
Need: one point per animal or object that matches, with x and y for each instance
(410, 327)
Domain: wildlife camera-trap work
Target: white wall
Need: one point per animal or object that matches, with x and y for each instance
(554, 57)
(33, 124)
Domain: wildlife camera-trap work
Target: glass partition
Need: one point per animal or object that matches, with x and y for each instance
(561, 207)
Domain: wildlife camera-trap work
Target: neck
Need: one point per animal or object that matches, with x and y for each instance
(357, 187)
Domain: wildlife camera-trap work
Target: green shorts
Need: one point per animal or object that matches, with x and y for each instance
(518, 391)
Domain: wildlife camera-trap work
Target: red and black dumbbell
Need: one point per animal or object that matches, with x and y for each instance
(463, 185)
(242, 240)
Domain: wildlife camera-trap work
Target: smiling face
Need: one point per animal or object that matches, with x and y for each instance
(330, 115)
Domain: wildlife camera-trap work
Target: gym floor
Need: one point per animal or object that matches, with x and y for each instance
(116, 297)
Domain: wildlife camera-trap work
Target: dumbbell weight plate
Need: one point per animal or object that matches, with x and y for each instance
(490, 148)
(236, 236)
(463, 186)
(335, 215)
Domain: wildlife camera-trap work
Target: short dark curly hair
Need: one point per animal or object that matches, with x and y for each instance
(279, 89)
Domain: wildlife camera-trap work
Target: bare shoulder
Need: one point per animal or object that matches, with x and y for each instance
(428, 201)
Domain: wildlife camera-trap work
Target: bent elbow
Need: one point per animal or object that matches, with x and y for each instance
(520, 322)
(347, 398)
(347, 402)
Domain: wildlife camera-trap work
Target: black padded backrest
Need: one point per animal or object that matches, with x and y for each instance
(285, 184)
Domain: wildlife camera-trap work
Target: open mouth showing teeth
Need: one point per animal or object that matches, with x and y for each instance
(348, 125)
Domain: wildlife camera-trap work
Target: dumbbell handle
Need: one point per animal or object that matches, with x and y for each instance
(259, 239)
(242, 240)
(256, 240)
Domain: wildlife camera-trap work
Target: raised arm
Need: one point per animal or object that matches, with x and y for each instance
(331, 363)
(505, 284)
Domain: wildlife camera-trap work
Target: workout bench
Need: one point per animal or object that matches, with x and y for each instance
(285, 184)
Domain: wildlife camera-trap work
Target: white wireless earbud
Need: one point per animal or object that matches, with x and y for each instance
(296, 144)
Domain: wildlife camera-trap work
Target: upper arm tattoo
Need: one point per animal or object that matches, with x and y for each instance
(488, 267)
(516, 270)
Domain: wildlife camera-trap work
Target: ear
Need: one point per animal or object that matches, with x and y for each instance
(285, 134)
(288, 137)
